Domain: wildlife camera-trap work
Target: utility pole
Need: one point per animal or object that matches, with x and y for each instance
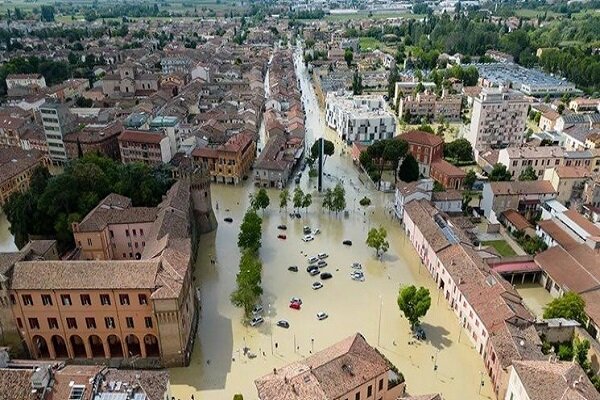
(379, 325)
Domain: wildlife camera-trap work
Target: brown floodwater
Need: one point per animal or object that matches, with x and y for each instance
(7, 241)
(218, 367)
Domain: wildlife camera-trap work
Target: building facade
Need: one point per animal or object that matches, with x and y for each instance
(57, 121)
(498, 119)
(148, 147)
(16, 168)
(428, 105)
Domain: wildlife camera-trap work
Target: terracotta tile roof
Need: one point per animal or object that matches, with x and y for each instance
(328, 374)
(447, 169)
(71, 375)
(557, 233)
(16, 384)
(522, 188)
(62, 275)
(583, 222)
(422, 138)
(423, 397)
(516, 219)
(14, 161)
(564, 171)
(149, 137)
(557, 380)
(115, 209)
(447, 195)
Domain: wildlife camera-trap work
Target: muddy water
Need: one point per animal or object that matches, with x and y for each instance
(535, 297)
(219, 370)
(7, 241)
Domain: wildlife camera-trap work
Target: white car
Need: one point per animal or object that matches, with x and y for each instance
(317, 285)
(322, 255)
(322, 315)
(321, 263)
(308, 238)
(313, 259)
(257, 309)
(357, 276)
(256, 321)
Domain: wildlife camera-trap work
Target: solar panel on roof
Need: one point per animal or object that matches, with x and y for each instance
(77, 392)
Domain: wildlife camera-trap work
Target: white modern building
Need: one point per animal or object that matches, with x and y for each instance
(57, 121)
(498, 119)
(360, 118)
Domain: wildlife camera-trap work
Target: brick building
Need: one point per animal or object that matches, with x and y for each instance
(95, 138)
(148, 147)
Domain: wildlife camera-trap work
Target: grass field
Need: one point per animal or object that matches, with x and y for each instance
(501, 247)
(367, 43)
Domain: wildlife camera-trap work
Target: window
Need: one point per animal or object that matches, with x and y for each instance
(148, 322)
(112, 234)
(86, 300)
(127, 232)
(13, 300)
(71, 323)
(141, 232)
(124, 255)
(27, 300)
(89, 242)
(19, 323)
(134, 232)
(357, 396)
(109, 322)
(90, 323)
(370, 391)
(52, 323)
(33, 323)
(124, 299)
(46, 300)
(129, 322)
(65, 299)
(105, 300)
(381, 384)
(143, 299)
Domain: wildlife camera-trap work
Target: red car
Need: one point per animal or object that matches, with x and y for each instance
(281, 237)
(295, 305)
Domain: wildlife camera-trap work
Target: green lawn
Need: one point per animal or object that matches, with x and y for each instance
(501, 247)
(367, 43)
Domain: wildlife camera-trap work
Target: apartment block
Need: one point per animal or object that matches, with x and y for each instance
(228, 163)
(526, 197)
(58, 122)
(428, 105)
(498, 119)
(518, 159)
(148, 147)
(360, 118)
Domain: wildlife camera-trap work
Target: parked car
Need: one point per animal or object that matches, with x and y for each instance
(316, 231)
(357, 276)
(306, 230)
(326, 275)
(312, 267)
(322, 315)
(317, 285)
(295, 306)
(228, 219)
(313, 259)
(297, 215)
(308, 238)
(321, 263)
(256, 321)
(356, 265)
(293, 268)
(257, 309)
(322, 255)
(296, 300)
(313, 272)
(282, 237)
(282, 227)
(347, 242)
(283, 324)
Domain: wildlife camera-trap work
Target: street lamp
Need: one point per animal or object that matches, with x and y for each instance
(379, 324)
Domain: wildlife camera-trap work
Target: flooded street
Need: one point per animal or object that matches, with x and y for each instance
(218, 370)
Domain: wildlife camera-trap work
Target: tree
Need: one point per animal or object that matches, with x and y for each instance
(528, 174)
(392, 79)
(426, 128)
(357, 86)
(570, 306)
(459, 150)
(306, 201)
(250, 231)
(238, 397)
(298, 197)
(328, 149)
(260, 200)
(500, 173)
(409, 170)
(376, 238)
(393, 151)
(284, 198)
(248, 281)
(365, 201)
(328, 199)
(414, 303)
(580, 353)
(338, 200)
(348, 56)
(470, 179)
(47, 13)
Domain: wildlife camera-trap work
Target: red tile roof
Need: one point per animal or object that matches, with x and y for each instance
(141, 136)
(421, 137)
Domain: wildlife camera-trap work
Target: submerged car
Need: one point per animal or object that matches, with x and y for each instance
(322, 255)
(317, 285)
(321, 264)
(308, 238)
(347, 242)
(313, 272)
(326, 275)
(356, 265)
(357, 276)
(295, 306)
(306, 230)
(282, 227)
(257, 309)
(228, 219)
(322, 315)
(283, 324)
(293, 268)
(419, 333)
(281, 236)
(296, 300)
(256, 321)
